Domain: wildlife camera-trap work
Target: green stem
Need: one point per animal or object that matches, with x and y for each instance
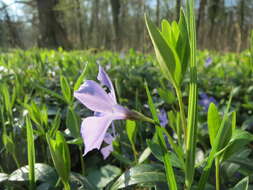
(81, 160)
(192, 108)
(182, 113)
(217, 173)
(16, 160)
(66, 186)
(135, 153)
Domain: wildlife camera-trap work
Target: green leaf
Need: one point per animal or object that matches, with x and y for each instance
(73, 123)
(55, 124)
(102, 177)
(167, 31)
(8, 143)
(60, 155)
(31, 153)
(66, 91)
(214, 122)
(3, 177)
(246, 165)
(223, 132)
(131, 131)
(6, 98)
(144, 155)
(81, 78)
(166, 95)
(122, 158)
(50, 92)
(242, 185)
(155, 149)
(239, 139)
(167, 57)
(143, 173)
(83, 181)
(183, 46)
(43, 172)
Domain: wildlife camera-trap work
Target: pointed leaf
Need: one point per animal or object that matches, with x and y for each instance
(214, 122)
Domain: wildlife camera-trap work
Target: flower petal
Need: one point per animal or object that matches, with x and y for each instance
(108, 138)
(93, 131)
(106, 151)
(105, 80)
(163, 118)
(93, 96)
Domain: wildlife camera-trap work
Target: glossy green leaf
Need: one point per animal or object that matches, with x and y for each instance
(242, 185)
(103, 176)
(144, 155)
(43, 172)
(144, 173)
(3, 177)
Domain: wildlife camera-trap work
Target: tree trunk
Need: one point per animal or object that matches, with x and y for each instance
(213, 12)
(93, 26)
(115, 4)
(157, 12)
(80, 23)
(201, 13)
(52, 33)
(178, 5)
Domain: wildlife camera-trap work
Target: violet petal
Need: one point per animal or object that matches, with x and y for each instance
(93, 131)
(108, 138)
(106, 151)
(93, 96)
(106, 81)
(163, 118)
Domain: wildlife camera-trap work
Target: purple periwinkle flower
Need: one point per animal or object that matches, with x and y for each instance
(163, 118)
(95, 98)
(205, 101)
(106, 150)
(208, 61)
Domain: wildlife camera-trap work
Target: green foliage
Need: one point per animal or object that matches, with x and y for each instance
(60, 155)
(37, 93)
(140, 174)
(214, 122)
(31, 153)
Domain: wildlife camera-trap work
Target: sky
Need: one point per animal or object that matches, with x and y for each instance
(15, 10)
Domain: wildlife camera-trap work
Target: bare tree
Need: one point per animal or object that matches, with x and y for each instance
(178, 5)
(52, 33)
(115, 4)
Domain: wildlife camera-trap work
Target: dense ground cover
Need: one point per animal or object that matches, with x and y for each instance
(37, 90)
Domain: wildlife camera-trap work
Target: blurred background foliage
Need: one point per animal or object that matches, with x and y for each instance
(222, 25)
